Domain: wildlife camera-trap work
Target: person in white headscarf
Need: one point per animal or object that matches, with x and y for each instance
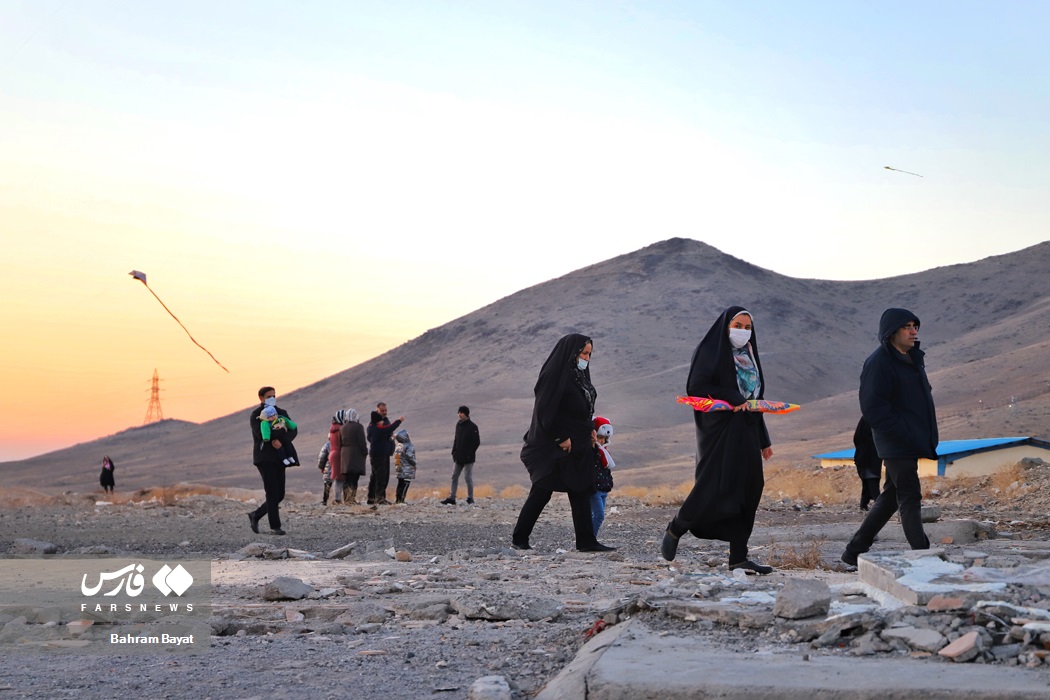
(353, 448)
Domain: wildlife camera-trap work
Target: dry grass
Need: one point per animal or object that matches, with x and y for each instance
(800, 555)
(834, 485)
(167, 495)
(667, 495)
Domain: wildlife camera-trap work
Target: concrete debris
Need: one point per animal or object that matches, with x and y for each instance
(802, 598)
(286, 588)
(490, 688)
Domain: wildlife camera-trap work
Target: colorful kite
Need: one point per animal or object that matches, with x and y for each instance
(699, 403)
(141, 277)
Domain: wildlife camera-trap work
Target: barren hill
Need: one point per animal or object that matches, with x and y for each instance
(985, 327)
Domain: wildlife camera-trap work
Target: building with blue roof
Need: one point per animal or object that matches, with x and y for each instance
(964, 457)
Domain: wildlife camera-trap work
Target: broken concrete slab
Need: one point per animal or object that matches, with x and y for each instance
(916, 576)
(636, 662)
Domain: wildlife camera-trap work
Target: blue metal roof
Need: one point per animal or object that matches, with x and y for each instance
(953, 447)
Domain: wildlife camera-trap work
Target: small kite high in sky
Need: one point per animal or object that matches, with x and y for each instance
(141, 277)
(901, 171)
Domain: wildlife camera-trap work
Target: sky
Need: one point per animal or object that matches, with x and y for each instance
(309, 184)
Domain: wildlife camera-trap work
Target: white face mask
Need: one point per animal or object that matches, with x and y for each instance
(272, 401)
(582, 364)
(739, 337)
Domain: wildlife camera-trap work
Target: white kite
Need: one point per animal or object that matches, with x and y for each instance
(141, 277)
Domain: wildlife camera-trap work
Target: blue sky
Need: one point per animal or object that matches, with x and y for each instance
(326, 180)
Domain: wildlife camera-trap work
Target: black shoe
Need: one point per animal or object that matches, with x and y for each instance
(449, 501)
(669, 546)
(277, 531)
(254, 520)
(751, 567)
(520, 545)
(849, 558)
(596, 547)
(371, 503)
(470, 502)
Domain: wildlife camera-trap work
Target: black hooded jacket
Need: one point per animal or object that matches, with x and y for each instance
(896, 397)
(563, 409)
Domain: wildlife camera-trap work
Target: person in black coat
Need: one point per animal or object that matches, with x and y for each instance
(464, 451)
(730, 444)
(869, 466)
(559, 447)
(267, 460)
(380, 434)
(897, 401)
(105, 478)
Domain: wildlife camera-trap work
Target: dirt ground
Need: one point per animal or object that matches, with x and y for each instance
(454, 551)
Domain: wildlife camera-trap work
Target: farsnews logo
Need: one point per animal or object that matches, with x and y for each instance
(130, 579)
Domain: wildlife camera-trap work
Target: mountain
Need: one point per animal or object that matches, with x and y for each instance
(985, 327)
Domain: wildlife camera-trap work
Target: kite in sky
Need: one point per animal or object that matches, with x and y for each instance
(901, 171)
(699, 403)
(141, 277)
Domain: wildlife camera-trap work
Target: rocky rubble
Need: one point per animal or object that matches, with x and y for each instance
(409, 601)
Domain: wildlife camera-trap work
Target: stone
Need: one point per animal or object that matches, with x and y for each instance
(286, 588)
(1005, 651)
(930, 514)
(78, 627)
(965, 648)
(380, 550)
(262, 550)
(942, 603)
(364, 613)
(402, 555)
(293, 615)
(26, 546)
(490, 688)
(721, 613)
(801, 598)
(507, 607)
(916, 637)
(342, 552)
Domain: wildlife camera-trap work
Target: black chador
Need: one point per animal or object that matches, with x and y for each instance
(729, 444)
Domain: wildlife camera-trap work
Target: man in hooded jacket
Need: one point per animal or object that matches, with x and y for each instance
(897, 401)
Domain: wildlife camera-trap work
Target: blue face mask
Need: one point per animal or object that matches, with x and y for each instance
(272, 401)
(582, 364)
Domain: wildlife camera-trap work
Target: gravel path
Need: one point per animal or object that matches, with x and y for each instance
(456, 551)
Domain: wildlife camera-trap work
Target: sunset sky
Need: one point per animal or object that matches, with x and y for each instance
(308, 184)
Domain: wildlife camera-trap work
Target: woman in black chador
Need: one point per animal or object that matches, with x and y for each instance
(731, 444)
(559, 447)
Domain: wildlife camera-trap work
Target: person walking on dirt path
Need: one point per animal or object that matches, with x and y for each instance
(897, 401)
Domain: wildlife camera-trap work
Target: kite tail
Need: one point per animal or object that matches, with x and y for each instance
(185, 329)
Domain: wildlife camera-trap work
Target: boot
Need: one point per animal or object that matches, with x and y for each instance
(351, 496)
(327, 491)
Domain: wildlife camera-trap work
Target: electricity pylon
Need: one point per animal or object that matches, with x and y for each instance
(154, 412)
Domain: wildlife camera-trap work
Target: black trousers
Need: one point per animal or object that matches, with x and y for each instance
(901, 492)
(402, 490)
(379, 479)
(539, 497)
(273, 485)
